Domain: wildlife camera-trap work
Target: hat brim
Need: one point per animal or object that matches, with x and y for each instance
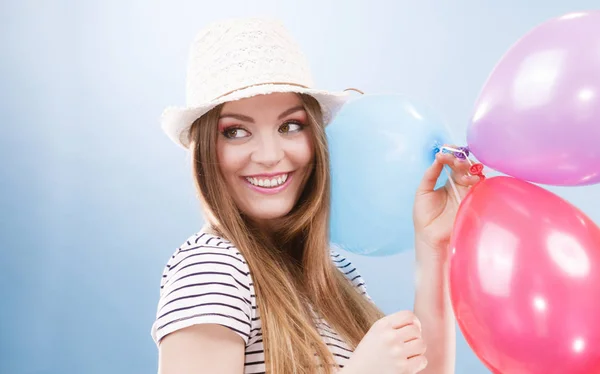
(176, 121)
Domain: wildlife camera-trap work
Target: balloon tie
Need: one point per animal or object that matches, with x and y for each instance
(463, 154)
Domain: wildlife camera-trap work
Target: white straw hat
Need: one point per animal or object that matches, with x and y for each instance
(240, 58)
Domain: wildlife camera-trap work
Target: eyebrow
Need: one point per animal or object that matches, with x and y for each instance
(290, 111)
(244, 118)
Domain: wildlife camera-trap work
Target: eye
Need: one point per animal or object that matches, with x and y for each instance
(291, 126)
(235, 133)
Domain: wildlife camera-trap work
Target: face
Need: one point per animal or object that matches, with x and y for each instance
(265, 151)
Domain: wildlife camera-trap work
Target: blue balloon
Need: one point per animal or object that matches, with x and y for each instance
(380, 147)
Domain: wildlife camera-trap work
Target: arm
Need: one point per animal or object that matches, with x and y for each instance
(203, 320)
(434, 213)
(207, 348)
(434, 309)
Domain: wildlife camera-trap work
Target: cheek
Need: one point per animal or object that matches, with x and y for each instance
(230, 160)
(301, 150)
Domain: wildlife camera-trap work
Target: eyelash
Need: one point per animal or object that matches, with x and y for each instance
(236, 127)
(293, 122)
(229, 129)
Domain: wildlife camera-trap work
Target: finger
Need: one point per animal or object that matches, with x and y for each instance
(430, 177)
(456, 163)
(401, 319)
(418, 324)
(445, 158)
(414, 348)
(460, 173)
(460, 166)
(408, 333)
(417, 363)
(465, 180)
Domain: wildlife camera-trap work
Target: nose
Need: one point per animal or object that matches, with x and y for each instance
(269, 150)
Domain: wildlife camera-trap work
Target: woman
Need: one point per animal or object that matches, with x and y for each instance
(258, 289)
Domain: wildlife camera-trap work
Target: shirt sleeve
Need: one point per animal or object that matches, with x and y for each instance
(351, 272)
(204, 283)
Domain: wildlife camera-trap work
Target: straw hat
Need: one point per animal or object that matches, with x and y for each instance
(240, 58)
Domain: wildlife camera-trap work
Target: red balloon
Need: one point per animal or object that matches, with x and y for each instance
(525, 280)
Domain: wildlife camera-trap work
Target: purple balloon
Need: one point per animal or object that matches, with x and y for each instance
(538, 115)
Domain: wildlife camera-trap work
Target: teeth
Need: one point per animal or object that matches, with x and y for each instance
(268, 183)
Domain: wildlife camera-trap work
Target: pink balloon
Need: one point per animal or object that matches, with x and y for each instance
(525, 280)
(538, 115)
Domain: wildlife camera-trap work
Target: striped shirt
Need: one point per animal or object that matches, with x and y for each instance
(207, 280)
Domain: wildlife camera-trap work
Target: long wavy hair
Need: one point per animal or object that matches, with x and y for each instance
(291, 267)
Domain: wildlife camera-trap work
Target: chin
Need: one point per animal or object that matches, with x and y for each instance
(270, 214)
(269, 211)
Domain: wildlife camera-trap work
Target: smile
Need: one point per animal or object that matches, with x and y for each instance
(268, 182)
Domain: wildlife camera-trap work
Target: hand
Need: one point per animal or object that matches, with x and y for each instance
(434, 210)
(393, 345)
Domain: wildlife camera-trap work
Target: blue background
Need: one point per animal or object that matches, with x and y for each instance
(94, 198)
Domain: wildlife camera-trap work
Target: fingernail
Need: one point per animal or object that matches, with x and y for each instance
(417, 323)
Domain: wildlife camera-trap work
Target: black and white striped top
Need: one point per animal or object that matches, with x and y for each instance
(207, 280)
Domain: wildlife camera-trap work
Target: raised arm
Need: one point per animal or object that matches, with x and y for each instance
(434, 214)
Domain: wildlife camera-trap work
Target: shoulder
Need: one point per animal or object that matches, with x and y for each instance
(206, 280)
(349, 270)
(204, 250)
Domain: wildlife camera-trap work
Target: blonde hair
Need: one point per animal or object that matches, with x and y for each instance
(292, 269)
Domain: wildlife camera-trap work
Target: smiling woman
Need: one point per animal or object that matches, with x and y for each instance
(258, 289)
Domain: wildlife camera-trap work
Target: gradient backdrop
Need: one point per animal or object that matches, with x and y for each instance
(94, 198)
